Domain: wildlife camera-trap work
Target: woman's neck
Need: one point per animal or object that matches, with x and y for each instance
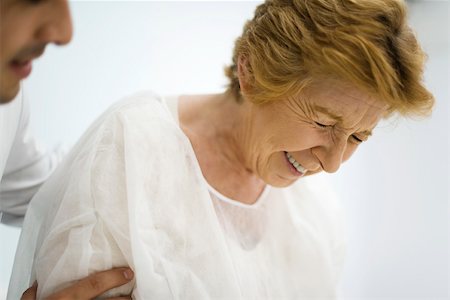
(217, 127)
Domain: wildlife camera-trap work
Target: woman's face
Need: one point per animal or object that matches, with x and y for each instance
(306, 134)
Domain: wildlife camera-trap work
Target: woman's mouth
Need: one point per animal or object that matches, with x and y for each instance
(296, 168)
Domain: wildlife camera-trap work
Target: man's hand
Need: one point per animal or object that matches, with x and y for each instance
(90, 287)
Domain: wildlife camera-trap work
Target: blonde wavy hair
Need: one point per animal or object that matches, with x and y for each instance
(291, 43)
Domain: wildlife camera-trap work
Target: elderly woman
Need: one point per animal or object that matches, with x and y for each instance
(209, 196)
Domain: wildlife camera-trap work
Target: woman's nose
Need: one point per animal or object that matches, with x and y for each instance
(57, 25)
(331, 156)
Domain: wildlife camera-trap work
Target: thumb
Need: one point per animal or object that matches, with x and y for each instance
(30, 293)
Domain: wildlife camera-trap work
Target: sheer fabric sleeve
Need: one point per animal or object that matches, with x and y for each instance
(96, 225)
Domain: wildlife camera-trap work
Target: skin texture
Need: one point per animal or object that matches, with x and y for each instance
(26, 28)
(241, 147)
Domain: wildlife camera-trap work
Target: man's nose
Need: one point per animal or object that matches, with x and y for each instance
(57, 25)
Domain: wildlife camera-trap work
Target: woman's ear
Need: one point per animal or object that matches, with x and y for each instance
(243, 75)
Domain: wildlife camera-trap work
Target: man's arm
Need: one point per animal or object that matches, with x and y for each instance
(89, 287)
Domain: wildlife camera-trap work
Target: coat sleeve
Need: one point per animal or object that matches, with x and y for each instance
(27, 167)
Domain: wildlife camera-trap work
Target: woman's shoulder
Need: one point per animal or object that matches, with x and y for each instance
(139, 121)
(140, 114)
(145, 103)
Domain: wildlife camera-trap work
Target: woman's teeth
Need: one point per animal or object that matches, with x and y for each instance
(295, 164)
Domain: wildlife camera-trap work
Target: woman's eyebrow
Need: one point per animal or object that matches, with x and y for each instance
(327, 112)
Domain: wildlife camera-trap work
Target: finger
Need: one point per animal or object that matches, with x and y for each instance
(96, 284)
(30, 293)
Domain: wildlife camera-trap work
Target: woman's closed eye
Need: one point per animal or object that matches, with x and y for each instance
(322, 125)
(355, 138)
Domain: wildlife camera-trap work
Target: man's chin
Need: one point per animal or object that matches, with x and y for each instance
(8, 92)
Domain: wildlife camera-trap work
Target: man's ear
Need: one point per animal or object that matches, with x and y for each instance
(243, 74)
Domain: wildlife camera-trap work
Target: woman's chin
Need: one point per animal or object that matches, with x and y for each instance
(280, 181)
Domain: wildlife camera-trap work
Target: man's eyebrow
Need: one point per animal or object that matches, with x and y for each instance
(326, 111)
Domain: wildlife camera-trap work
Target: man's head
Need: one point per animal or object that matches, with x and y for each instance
(26, 27)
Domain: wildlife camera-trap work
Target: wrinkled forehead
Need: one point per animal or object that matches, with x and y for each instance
(343, 98)
(346, 105)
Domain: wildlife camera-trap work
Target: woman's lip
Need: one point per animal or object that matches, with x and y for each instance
(22, 70)
(291, 167)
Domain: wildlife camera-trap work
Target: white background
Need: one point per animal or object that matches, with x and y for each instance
(395, 189)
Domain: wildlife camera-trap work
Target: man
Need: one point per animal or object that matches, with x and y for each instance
(26, 27)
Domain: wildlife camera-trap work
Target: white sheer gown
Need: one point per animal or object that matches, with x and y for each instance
(131, 192)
